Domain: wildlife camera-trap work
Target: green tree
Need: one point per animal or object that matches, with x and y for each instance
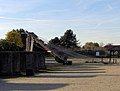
(14, 37)
(56, 41)
(69, 40)
(90, 46)
(8, 46)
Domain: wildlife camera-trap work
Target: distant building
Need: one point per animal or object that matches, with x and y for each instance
(113, 50)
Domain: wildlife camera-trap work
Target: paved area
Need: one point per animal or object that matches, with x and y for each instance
(88, 77)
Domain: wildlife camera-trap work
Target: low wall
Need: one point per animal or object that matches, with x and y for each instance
(12, 63)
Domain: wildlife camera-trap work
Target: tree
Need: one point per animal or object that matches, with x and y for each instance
(56, 41)
(69, 40)
(109, 44)
(8, 46)
(23, 36)
(90, 46)
(14, 37)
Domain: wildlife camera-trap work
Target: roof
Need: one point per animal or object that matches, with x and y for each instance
(113, 47)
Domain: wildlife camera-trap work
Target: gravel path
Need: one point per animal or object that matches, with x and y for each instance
(93, 77)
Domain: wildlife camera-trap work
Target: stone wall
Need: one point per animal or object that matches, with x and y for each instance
(12, 63)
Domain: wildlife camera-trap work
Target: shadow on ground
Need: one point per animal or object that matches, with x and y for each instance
(69, 74)
(56, 76)
(4, 86)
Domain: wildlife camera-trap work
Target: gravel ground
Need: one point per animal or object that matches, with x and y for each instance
(85, 77)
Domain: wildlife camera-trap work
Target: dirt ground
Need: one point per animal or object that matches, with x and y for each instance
(76, 77)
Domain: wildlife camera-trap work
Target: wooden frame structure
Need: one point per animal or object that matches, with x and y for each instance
(13, 63)
(113, 52)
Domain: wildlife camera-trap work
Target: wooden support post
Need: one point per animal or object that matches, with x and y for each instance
(29, 64)
(41, 60)
(109, 60)
(28, 43)
(31, 45)
(115, 61)
(102, 60)
(110, 56)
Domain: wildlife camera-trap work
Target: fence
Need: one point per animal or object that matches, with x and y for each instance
(12, 63)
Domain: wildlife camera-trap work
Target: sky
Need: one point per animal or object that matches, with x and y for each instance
(91, 20)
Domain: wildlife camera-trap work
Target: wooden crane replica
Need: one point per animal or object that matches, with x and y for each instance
(59, 55)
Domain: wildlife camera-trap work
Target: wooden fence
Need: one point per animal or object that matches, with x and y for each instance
(12, 63)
